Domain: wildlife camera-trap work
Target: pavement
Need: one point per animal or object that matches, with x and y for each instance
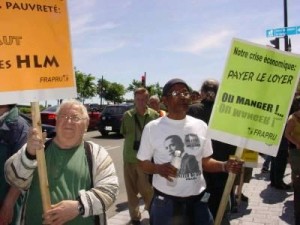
(266, 205)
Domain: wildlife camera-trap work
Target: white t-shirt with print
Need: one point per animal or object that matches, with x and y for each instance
(161, 137)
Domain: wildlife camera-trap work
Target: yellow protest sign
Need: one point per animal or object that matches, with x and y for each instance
(254, 97)
(35, 51)
(250, 158)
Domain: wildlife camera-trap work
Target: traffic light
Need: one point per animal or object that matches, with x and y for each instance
(275, 42)
(144, 81)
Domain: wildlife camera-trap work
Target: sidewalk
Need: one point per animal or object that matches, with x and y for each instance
(266, 206)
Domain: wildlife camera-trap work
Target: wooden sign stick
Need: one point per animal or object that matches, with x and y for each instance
(227, 190)
(40, 156)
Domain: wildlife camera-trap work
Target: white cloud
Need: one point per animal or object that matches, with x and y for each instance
(200, 43)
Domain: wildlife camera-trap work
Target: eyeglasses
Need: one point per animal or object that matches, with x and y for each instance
(74, 119)
(185, 94)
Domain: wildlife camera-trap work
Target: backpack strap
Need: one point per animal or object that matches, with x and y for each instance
(88, 154)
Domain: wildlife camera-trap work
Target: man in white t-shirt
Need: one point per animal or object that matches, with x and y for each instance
(186, 201)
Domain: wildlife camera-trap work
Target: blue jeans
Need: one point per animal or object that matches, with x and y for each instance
(175, 211)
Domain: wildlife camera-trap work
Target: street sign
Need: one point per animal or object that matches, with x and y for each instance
(279, 32)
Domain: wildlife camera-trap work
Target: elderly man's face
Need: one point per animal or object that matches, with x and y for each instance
(70, 125)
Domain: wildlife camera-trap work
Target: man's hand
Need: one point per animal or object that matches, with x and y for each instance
(35, 142)
(61, 213)
(166, 170)
(234, 165)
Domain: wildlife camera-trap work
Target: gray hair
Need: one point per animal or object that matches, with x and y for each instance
(75, 102)
(154, 97)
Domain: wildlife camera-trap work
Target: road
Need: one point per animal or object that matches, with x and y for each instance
(114, 145)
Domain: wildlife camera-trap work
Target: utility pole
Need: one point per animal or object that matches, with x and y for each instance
(101, 91)
(287, 41)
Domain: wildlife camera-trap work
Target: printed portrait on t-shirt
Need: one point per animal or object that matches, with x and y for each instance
(189, 164)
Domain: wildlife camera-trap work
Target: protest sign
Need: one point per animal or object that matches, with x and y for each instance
(35, 56)
(254, 97)
(253, 102)
(35, 62)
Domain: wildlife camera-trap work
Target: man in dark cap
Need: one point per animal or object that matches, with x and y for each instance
(185, 201)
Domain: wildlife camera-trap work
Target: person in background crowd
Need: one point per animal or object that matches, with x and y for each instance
(292, 133)
(136, 181)
(154, 103)
(278, 166)
(82, 180)
(195, 97)
(221, 151)
(13, 135)
(266, 163)
(185, 201)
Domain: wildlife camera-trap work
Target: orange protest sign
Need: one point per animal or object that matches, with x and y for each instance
(35, 51)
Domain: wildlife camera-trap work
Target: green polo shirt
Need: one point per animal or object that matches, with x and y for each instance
(131, 132)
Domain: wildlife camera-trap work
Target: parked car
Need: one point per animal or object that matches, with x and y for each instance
(51, 132)
(48, 116)
(111, 118)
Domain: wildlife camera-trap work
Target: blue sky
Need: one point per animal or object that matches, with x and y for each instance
(190, 39)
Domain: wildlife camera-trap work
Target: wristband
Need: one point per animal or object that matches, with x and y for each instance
(29, 156)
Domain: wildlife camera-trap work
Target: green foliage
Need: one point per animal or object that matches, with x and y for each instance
(86, 88)
(153, 89)
(111, 91)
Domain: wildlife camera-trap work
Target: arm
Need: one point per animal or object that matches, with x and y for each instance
(106, 186)
(7, 208)
(213, 166)
(290, 126)
(20, 167)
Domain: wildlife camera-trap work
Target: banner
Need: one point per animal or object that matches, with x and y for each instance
(254, 97)
(35, 51)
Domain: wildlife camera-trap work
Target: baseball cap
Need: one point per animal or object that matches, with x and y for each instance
(171, 83)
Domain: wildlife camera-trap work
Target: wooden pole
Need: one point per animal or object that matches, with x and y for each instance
(227, 190)
(40, 156)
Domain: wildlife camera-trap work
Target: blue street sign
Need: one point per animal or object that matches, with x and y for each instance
(279, 32)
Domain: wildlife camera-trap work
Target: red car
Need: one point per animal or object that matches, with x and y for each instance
(48, 116)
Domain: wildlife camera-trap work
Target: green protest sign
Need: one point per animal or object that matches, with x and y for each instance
(254, 97)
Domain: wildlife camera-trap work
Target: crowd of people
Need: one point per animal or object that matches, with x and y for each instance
(168, 159)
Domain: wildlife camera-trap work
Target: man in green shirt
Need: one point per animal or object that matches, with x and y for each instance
(136, 181)
(78, 193)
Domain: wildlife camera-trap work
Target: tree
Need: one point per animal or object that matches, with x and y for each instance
(153, 89)
(115, 93)
(111, 91)
(86, 88)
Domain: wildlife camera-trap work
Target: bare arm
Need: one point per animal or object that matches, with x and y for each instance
(7, 209)
(213, 166)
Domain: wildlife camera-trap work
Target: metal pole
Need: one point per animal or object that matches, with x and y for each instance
(101, 91)
(286, 39)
